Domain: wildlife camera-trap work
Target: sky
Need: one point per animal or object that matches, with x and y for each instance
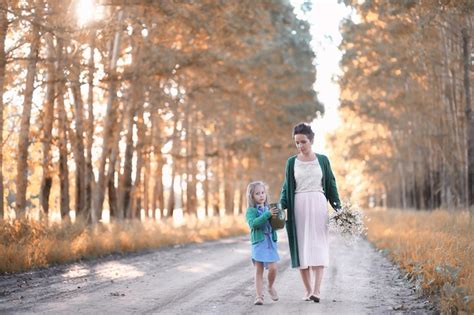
(324, 19)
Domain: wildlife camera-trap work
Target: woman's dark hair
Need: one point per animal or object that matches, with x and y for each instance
(303, 129)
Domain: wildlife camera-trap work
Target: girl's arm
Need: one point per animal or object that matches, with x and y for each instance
(254, 221)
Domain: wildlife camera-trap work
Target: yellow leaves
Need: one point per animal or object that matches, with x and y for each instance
(349, 95)
(177, 42)
(201, 40)
(388, 232)
(372, 17)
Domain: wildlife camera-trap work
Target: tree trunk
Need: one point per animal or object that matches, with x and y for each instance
(159, 187)
(146, 186)
(23, 141)
(79, 147)
(191, 135)
(206, 176)
(171, 196)
(158, 190)
(47, 177)
(137, 194)
(216, 187)
(469, 119)
(89, 176)
(109, 124)
(115, 209)
(187, 161)
(3, 62)
(241, 199)
(228, 184)
(240, 186)
(431, 176)
(182, 200)
(174, 166)
(62, 141)
(125, 185)
(114, 206)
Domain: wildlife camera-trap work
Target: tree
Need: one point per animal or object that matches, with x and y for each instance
(402, 75)
(3, 62)
(23, 141)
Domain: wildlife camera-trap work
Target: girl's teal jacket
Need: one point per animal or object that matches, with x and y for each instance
(287, 199)
(256, 223)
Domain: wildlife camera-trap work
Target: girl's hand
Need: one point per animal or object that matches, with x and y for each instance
(274, 211)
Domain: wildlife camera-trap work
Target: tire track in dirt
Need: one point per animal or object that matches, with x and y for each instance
(51, 284)
(212, 278)
(193, 292)
(230, 288)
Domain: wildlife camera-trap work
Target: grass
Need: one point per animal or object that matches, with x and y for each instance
(435, 248)
(30, 244)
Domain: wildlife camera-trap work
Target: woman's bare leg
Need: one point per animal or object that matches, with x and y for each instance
(306, 277)
(319, 271)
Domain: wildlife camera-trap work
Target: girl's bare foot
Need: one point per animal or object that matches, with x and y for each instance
(273, 294)
(258, 300)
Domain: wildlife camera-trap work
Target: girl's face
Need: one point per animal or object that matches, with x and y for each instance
(303, 144)
(259, 195)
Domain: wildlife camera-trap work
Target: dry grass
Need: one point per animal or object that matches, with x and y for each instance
(435, 248)
(29, 244)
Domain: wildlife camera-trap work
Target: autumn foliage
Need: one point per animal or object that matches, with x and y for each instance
(435, 249)
(406, 137)
(147, 105)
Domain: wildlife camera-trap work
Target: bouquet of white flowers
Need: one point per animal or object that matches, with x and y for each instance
(348, 222)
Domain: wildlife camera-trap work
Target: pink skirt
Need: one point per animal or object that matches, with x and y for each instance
(311, 216)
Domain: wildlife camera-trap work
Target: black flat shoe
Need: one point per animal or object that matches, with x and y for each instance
(314, 298)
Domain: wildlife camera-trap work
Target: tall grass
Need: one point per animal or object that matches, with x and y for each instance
(435, 248)
(29, 244)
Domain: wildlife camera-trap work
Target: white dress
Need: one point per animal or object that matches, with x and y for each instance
(311, 215)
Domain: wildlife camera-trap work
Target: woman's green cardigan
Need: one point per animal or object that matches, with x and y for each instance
(287, 199)
(256, 223)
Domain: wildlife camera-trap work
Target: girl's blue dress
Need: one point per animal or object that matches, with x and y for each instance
(265, 251)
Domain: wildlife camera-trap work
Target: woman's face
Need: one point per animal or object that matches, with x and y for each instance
(303, 144)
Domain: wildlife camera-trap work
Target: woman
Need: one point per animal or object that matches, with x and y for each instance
(309, 184)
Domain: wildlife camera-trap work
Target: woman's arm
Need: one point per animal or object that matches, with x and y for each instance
(284, 189)
(333, 195)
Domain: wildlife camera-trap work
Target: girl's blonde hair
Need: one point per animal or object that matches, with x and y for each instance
(251, 189)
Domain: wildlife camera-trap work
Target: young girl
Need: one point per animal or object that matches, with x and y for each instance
(263, 238)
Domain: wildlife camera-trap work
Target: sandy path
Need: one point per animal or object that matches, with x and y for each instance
(210, 278)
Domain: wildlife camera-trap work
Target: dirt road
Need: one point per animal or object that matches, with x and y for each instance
(210, 278)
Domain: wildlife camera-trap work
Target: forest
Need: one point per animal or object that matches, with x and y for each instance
(406, 104)
(140, 109)
(147, 108)
(119, 116)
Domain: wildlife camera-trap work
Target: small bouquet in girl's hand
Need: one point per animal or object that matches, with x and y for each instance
(348, 222)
